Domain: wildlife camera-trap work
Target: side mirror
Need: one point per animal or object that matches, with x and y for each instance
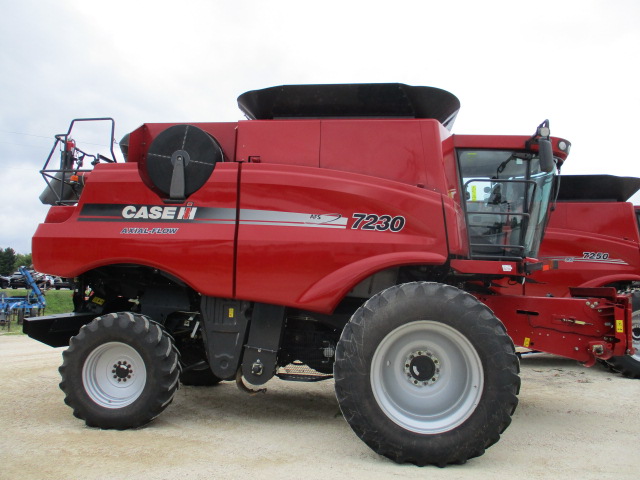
(546, 155)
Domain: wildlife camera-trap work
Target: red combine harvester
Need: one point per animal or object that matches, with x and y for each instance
(341, 231)
(594, 239)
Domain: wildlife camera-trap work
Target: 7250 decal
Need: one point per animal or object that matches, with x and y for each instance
(595, 255)
(380, 223)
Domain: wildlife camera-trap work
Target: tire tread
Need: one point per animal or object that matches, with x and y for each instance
(164, 369)
(485, 325)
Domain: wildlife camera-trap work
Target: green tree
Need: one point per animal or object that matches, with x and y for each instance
(22, 260)
(7, 261)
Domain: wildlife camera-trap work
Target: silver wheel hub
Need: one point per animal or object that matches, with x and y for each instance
(427, 377)
(122, 371)
(422, 368)
(114, 375)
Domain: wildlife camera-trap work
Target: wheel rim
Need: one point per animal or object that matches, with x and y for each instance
(114, 375)
(635, 335)
(427, 377)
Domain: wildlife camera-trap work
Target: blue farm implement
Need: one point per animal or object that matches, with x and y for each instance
(15, 309)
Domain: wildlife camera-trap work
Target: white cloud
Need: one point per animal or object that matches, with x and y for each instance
(512, 64)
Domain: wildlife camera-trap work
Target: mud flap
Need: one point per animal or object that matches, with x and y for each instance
(224, 329)
(261, 352)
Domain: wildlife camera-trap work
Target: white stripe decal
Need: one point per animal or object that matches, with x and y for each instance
(291, 219)
(613, 261)
(280, 224)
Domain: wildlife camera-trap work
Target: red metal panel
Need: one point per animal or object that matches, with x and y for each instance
(515, 142)
(613, 219)
(298, 229)
(593, 243)
(391, 149)
(200, 251)
(290, 142)
(571, 327)
(485, 267)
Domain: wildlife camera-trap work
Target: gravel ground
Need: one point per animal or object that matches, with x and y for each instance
(572, 422)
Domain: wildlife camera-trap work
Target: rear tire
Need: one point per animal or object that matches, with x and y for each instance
(629, 365)
(120, 371)
(426, 374)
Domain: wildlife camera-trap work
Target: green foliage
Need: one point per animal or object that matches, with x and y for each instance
(22, 260)
(58, 301)
(7, 261)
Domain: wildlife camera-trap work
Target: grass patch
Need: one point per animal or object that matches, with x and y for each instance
(58, 301)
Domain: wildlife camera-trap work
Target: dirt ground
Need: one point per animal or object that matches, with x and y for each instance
(572, 422)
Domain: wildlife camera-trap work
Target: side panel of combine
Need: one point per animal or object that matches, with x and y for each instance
(593, 244)
(120, 221)
(308, 235)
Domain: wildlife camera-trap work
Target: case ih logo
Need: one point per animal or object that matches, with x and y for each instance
(96, 212)
(157, 212)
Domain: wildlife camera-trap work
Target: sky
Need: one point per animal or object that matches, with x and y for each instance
(511, 64)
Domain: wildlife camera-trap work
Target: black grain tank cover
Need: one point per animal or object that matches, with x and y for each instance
(358, 100)
(597, 188)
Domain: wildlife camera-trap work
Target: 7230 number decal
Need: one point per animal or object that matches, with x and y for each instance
(595, 255)
(380, 223)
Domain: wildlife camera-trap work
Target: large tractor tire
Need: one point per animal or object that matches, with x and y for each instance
(120, 371)
(426, 374)
(629, 365)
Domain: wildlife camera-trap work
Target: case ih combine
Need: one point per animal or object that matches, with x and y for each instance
(341, 228)
(594, 239)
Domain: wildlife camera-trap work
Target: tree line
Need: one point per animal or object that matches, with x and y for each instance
(10, 261)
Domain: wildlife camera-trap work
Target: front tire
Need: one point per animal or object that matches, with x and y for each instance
(426, 374)
(120, 371)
